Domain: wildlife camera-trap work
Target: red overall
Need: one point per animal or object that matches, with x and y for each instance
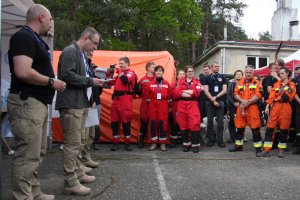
(159, 95)
(121, 108)
(174, 127)
(188, 113)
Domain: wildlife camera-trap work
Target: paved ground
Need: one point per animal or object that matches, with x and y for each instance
(214, 173)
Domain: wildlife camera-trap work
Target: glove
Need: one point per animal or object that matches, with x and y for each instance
(285, 98)
(124, 79)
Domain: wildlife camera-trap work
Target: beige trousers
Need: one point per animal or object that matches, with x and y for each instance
(28, 121)
(73, 123)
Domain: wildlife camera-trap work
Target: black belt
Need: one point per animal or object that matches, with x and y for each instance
(121, 93)
(24, 94)
(188, 99)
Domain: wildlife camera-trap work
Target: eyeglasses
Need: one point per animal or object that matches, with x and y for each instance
(190, 71)
(95, 43)
(281, 73)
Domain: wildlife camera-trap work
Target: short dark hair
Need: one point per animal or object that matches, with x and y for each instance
(159, 67)
(286, 71)
(125, 59)
(236, 71)
(271, 65)
(297, 67)
(206, 65)
(188, 67)
(251, 66)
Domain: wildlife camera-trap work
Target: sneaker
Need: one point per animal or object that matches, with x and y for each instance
(95, 146)
(163, 147)
(114, 147)
(153, 147)
(78, 190)
(235, 148)
(87, 179)
(127, 147)
(258, 151)
(86, 170)
(91, 164)
(45, 197)
(281, 153)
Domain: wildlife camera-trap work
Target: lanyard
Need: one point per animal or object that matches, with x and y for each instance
(159, 86)
(215, 79)
(188, 84)
(87, 68)
(39, 40)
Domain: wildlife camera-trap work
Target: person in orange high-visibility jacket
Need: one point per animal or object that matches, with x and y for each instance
(121, 108)
(280, 112)
(188, 117)
(144, 83)
(159, 95)
(247, 92)
(175, 130)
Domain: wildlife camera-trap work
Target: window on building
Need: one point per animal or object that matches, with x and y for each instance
(257, 61)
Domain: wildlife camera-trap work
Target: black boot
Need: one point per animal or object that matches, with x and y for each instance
(141, 142)
(236, 148)
(186, 148)
(127, 147)
(173, 143)
(114, 147)
(196, 149)
(258, 151)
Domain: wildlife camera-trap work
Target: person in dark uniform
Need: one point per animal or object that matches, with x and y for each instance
(215, 88)
(296, 80)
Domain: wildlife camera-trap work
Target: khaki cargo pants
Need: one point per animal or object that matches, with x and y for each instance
(73, 123)
(28, 121)
(87, 141)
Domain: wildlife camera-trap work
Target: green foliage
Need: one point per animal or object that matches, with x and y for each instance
(146, 25)
(264, 35)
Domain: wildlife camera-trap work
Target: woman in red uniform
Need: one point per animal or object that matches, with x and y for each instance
(175, 131)
(280, 112)
(188, 117)
(159, 94)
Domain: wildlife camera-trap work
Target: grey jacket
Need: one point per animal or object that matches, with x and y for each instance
(71, 69)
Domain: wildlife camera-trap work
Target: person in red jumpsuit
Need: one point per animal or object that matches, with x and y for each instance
(159, 94)
(175, 130)
(188, 117)
(144, 83)
(280, 112)
(247, 92)
(121, 108)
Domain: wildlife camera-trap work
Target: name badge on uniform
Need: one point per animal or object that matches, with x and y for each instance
(158, 96)
(216, 89)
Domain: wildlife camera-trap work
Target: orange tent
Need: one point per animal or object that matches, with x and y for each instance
(138, 61)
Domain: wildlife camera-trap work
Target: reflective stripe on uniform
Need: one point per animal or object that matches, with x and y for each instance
(128, 136)
(196, 145)
(268, 144)
(162, 139)
(257, 144)
(239, 142)
(187, 144)
(282, 145)
(154, 138)
(116, 136)
(174, 137)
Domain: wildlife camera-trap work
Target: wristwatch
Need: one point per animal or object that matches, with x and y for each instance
(50, 82)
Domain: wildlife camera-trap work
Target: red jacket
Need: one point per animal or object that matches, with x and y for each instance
(183, 85)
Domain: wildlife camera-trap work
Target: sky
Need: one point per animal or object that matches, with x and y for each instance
(257, 16)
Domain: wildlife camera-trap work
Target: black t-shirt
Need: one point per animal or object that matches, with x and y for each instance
(296, 80)
(268, 81)
(28, 43)
(215, 84)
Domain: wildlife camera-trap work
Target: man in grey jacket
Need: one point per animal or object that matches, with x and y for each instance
(72, 105)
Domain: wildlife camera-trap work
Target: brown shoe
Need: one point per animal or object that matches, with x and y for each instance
(45, 197)
(87, 179)
(78, 190)
(86, 170)
(91, 164)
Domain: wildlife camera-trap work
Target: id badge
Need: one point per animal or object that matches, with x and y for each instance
(158, 96)
(216, 89)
